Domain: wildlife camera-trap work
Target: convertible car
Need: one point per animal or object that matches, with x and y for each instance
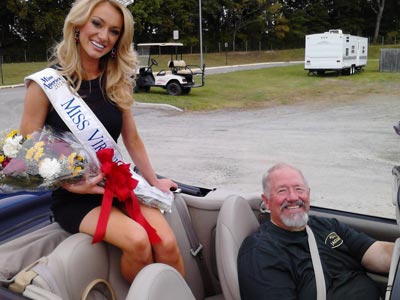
(38, 260)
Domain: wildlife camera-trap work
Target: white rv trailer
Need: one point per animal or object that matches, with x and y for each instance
(335, 51)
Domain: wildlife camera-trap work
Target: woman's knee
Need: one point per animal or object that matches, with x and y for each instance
(168, 247)
(137, 242)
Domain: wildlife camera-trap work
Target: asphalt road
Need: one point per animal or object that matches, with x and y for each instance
(346, 148)
(234, 68)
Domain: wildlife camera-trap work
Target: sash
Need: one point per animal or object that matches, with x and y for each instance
(92, 134)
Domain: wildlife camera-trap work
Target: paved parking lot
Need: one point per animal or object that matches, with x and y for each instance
(346, 149)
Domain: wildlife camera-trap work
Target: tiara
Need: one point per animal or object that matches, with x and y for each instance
(126, 2)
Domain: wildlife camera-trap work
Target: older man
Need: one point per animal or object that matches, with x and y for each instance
(275, 262)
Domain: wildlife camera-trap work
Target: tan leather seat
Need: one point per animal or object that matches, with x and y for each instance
(76, 262)
(393, 290)
(159, 281)
(179, 67)
(236, 221)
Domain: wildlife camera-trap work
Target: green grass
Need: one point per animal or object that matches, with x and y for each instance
(277, 86)
(15, 73)
(257, 88)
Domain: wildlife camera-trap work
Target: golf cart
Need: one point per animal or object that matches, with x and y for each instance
(178, 79)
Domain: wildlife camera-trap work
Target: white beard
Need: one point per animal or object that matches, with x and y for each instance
(296, 220)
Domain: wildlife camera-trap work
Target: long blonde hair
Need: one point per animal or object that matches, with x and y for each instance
(119, 71)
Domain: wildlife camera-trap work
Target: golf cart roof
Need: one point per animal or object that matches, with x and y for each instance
(160, 44)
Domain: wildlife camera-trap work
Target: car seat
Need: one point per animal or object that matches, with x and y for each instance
(179, 67)
(236, 221)
(393, 286)
(76, 263)
(159, 281)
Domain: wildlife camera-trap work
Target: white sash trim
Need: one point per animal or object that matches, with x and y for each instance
(76, 114)
(88, 129)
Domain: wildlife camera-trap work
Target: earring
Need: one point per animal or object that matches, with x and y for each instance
(76, 36)
(113, 53)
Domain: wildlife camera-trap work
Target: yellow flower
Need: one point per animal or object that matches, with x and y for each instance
(38, 154)
(2, 158)
(29, 153)
(77, 170)
(71, 158)
(12, 133)
(35, 152)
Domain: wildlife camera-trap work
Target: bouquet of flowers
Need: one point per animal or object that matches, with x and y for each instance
(44, 160)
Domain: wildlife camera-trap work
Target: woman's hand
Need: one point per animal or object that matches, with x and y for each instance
(165, 184)
(87, 186)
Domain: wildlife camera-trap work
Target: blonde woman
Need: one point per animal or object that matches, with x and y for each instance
(96, 58)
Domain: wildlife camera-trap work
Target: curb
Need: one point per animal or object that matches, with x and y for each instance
(11, 86)
(158, 105)
(140, 104)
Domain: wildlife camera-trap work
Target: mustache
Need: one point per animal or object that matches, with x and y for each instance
(298, 202)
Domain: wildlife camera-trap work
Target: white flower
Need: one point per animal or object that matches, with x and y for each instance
(12, 146)
(49, 168)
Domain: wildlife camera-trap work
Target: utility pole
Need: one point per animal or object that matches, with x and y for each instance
(1, 67)
(201, 36)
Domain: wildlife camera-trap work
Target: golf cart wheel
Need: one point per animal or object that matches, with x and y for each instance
(174, 88)
(186, 90)
(138, 89)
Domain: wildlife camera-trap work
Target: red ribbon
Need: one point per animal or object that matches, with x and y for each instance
(119, 183)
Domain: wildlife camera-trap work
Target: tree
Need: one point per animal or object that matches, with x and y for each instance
(377, 6)
(305, 17)
(8, 35)
(39, 22)
(239, 14)
(346, 15)
(35, 25)
(156, 20)
(148, 18)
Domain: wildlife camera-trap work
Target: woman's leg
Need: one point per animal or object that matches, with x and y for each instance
(126, 234)
(167, 251)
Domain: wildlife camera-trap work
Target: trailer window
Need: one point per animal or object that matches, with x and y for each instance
(347, 51)
(353, 49)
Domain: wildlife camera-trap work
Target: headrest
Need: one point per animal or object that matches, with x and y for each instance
(176, 64)
(396, 191)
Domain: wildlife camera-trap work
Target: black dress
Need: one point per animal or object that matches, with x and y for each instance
(68, 208)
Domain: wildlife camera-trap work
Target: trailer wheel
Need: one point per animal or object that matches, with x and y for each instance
(174, 88)
(346, 71)
(352, 70)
